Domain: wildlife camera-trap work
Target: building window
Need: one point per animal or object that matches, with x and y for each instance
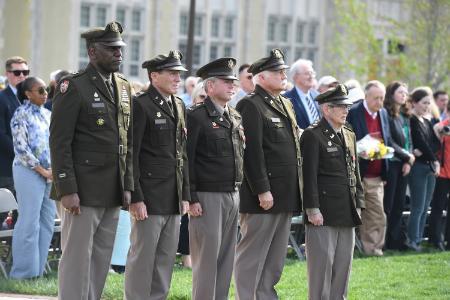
(101, 16)
(300, 32)
(134, 70)
(215, 24)
(312, 33)
(271, 28)
(136, 20)
(184, 24)
(197, 55)
(298, 53)
(213, 52)
(120, 16)
(285, 31)
(85, 16)
(311, 54)
(198, 26)
(227, 51)
(229, 22)
(183, 49)
(135, 50)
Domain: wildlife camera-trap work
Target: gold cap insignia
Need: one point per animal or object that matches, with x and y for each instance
(277, 53)
(176, 54)
(344, 89)
(230, 64)
(100, 122)
(114, 27)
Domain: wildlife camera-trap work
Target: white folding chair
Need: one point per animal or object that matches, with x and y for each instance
(7, 204)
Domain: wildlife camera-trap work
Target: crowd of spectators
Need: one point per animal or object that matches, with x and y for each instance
(416, 123)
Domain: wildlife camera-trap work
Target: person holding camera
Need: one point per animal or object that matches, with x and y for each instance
(440, 198)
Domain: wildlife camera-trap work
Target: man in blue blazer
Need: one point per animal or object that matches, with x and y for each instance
(302, 95)
(369, 117)
(16, 71)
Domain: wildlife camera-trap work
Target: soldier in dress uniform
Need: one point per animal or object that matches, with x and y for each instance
(271, 192)
(332, 197)
(161, 180)
(91, 149)
(215, 152)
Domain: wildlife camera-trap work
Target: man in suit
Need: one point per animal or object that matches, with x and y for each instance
(161, 180)
(302, 95)
(369, 117)
(92, 149)
(16, 72)
(215, 152)
(332, 197)
(271, 191)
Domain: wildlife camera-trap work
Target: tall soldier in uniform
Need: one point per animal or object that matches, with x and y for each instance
(271, 192)
(91, 150)
(215, 151)
(161, 180)
(332, 197)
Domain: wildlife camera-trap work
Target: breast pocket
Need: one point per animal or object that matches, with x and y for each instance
(277, 131)
(160, 132)
(98, 116)
(219, 143)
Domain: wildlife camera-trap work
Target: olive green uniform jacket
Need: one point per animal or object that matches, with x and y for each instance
(91, 139)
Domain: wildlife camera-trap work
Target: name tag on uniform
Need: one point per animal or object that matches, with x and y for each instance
(276, 120)
(97, 105)
(160, 121)
(332, 149)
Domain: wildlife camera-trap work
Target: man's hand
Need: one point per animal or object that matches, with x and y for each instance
(138, 211)
(265, 200)
(71, 203)
(184, 207)
(195, 209)
(126, 199)
(406, 169)
(437, 167)
(316, 219)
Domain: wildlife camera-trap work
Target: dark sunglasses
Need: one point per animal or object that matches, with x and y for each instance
(202, 96)
(41, 90)
(17, 72)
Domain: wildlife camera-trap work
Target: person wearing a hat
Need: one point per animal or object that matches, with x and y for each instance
(325, 83)
(271, 191)
(332, 196)
(91, 148)
(161, 180)
(215, 149)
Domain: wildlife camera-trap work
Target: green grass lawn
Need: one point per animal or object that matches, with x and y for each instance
(395, 276)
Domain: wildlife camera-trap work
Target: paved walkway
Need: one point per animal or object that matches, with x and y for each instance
(24, 297)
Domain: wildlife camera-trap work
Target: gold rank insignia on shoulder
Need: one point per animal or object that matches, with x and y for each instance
(100, 122)
(230, 64)
(158, 114)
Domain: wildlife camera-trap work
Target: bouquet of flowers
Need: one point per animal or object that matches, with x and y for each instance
(372, 147)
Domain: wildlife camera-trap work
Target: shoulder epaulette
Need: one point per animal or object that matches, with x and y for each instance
(348, 127)
(121, 76)
(75, 74)
(196, 106)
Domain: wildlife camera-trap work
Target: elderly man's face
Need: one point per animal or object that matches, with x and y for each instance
(304, 78)
(375, 98)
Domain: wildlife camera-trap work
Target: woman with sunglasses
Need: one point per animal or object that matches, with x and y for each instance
(32, 180)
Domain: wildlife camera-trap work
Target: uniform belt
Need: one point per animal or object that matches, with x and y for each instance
(115, 149)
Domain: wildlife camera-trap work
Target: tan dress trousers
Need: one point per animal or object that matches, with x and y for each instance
(373, 228)
(260, 255)
(87, 241)
(329, 253)
(151, 257)
(212, 242)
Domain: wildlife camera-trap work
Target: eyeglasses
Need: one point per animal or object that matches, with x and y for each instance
(17, 72)
(310, 73)
(41, 90)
